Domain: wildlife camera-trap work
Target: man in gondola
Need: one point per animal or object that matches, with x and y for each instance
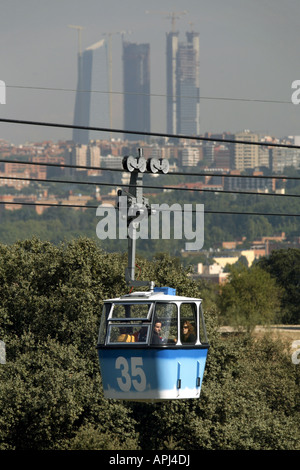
(156, 338)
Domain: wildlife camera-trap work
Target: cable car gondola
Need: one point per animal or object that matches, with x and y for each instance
(144, 352)
(152, 345)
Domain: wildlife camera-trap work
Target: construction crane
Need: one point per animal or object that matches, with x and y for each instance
(95, 46)
(169, 14)
(79, 29)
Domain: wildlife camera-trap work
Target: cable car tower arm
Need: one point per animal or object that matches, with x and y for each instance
(138, 206)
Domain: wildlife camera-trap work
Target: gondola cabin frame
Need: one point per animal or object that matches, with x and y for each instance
(137, 363)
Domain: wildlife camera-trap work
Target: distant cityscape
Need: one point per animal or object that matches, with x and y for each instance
(209, 157)
(79, 162)
(182, 87)
(86, 159)
(182, 118)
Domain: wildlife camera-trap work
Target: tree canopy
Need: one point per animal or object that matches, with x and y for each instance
(284, 267)
(250, 298)
(50, 386)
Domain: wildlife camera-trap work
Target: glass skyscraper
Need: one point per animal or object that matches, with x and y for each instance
(136, 87)
(183, 84)
(83, 93)
(83, 97)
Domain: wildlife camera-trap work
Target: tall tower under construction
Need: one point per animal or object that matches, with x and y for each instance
(83, 93)
(172, 48)
(183, 84)
(136, 87)
(83, 97)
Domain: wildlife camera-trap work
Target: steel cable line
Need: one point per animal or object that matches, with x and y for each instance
(155, 95)
(144, 133)
(47, 124)
(175, 173)
(182, 173)
(173, 188)
(24, 203)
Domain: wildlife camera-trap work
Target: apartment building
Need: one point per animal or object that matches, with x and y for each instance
(191, 156)
(246, 156)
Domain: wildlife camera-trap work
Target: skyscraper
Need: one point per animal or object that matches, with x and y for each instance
(83, 94)
(172, 48)
(83, 98)
(136, 87)
(183, 84)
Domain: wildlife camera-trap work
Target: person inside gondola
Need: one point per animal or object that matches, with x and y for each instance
(188, 333)
(140, 335)
(156, 338)
(126, 336)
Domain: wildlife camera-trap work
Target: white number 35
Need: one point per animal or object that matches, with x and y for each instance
(131, 374)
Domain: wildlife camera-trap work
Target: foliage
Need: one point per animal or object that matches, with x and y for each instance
(51, 300)
(284, 266)
(90, 437)
(250, 298)
(50, 388)
(249, 400)
(61, 223)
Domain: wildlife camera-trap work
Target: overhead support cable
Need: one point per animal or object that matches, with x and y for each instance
(227, 175)
(155, 95)
(166, 188)
(144, 133)
(175, 173)
(49, 204)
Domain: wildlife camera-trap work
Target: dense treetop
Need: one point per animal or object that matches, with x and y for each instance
(50, 387)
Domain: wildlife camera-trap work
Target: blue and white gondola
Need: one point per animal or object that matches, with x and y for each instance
(138, 365)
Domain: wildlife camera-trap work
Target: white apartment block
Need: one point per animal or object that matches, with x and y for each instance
(246, 156)
(190, 156)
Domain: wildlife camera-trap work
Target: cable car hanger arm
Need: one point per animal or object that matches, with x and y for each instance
(135, 200)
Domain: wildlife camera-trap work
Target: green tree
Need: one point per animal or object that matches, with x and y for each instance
(90, 437)
(51, 302)
(50, 387)
(249, 401)
(249, 298)
(284, 266)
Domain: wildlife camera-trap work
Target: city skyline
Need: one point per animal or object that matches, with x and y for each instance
(247, 61)
(182, 87)
(223, 151)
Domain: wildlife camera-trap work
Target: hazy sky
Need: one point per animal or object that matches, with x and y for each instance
(249, 51)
